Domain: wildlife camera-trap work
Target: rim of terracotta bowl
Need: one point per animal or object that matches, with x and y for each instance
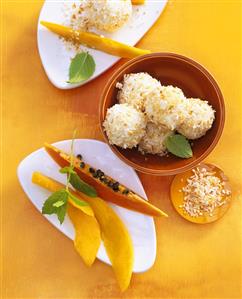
(200, 68)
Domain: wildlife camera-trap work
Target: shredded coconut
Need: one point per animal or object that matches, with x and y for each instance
(136, 88)
(75, 14)
(167, 109)
(203, 193)
(198, 120)
(124, 125)
(153, 140)
(107, 15)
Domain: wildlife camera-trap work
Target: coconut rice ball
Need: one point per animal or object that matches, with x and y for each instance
(153, 140)
(136, 88)
(124, 125)
(168, 109)
(199, 119)
(108, 15)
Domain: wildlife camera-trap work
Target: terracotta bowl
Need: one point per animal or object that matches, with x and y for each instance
(195, 81)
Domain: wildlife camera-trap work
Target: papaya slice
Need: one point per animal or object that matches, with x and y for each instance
(87, 234)
(115, 236)
(106, 187)
(53, 186)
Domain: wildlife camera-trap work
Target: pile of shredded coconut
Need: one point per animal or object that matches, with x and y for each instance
(203, 193)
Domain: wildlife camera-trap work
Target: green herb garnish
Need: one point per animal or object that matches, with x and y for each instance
(179, 146)
(81, 186)
(56, 203)
(52, 204)
(81, 68)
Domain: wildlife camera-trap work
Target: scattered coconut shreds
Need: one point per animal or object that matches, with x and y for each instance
(71, 46)
(73, 16)
(203, 193)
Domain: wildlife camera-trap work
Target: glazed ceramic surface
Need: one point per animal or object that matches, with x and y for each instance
(196, 82)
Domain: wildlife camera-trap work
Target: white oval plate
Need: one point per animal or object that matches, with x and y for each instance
(56, 57)
(98, 154)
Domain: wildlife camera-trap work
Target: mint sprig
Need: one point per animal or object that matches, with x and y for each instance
(179, 146)
(56, 203)
(81, 68)
(81, 186)
(67, 169)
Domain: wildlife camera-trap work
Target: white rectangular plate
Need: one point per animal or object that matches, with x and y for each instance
(55, 55)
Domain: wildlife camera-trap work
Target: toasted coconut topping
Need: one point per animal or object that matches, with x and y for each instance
(203, 193)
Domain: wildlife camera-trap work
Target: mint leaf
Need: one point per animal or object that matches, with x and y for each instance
(81, 186)
(59, 203)
(81, 68)
(78, 201)
(56, 203)
(179, 146)
(61, 212)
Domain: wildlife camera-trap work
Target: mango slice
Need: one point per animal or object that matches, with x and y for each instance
(116, 239)
(131, 201)
(95, 41)
(114, 234)
(53, 186)
(138, 2)
(87, 234)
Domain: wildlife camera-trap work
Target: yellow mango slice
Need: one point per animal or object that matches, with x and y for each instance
(116, 239)
(53, 186)
(87, 234)
(137, 2)
(114, 234)
(95, 41)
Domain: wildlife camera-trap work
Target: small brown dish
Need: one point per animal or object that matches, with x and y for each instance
(195, 81)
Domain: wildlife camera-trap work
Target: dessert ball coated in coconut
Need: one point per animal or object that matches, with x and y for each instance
(168, 108)
(108, 15)
(199, 119)
(153, 140)
(136, 88)
(124, 125)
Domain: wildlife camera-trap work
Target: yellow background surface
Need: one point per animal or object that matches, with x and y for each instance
(192, 261)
